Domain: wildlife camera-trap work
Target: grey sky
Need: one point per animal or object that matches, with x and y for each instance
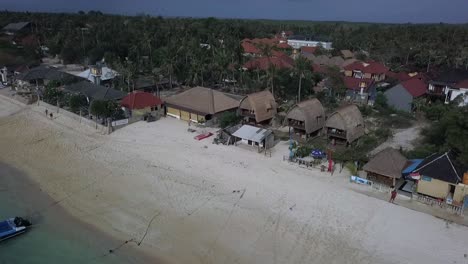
(400, 11)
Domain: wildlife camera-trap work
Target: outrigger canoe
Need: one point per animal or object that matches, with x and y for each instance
(13, 227)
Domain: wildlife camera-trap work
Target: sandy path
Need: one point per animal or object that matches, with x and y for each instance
(404, 138)
(217, 204)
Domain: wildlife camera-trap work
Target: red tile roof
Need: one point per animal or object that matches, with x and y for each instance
(415, 87)
(318, 68)
(311, 50)
(462, 84)
(401, 76)
(283, 46)
(352, 83)
(140, 100)
(371, 67)
(264, 63)
(250, 48)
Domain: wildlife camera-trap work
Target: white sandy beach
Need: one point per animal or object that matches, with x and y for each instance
(203, 203)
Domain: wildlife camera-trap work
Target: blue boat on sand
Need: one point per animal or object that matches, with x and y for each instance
(13, 227)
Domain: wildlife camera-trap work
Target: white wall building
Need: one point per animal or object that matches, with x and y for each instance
(297, 44)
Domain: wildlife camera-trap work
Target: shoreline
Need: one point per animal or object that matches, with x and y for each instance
(30, 196)
(34, 185)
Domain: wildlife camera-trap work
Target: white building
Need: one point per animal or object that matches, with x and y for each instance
(98, 74)
(460, 89)
(299, 42)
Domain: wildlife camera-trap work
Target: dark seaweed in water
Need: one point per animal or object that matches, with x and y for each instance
(55, 237)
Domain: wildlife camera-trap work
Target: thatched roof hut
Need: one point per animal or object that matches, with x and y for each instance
(202, 100)
(311, 112)
(389, 163)
(262, 104)
(348, 119)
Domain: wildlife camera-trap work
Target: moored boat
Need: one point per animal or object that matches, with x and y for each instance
(12, 227)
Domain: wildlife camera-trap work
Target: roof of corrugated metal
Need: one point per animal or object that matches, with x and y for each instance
(252, 133)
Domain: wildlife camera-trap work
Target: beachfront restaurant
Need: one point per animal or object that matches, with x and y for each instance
(200, 104)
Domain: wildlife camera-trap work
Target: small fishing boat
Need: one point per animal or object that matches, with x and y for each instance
(13, 227)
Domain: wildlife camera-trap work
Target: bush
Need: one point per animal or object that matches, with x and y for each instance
(228, 119)
(52, 94)
(75, 102)
(381, 100)
(383, 133)
(352, 168)
(303, 151)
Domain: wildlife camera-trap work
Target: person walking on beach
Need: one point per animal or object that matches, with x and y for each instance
(46, 112)
(393, 196)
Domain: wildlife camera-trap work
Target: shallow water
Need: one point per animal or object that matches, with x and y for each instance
(57, 237)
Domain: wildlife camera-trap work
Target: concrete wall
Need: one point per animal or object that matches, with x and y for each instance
(434, 188)
(399, 98)
(73, 116)
(461, 190)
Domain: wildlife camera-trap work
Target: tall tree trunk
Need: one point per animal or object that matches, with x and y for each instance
(300, 86)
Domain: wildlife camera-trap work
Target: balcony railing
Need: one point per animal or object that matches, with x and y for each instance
(247, 113)
(336, 133)
(297, 125)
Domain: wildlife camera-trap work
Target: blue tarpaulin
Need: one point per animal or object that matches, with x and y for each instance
(414, 164)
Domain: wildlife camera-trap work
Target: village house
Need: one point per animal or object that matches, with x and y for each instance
(200, 104)
(402, 95)
(261, 138)
(99, 74)
(386, 167)
(258, 107)
(140, 103)
(42, 75)
(252, 47)
(307, 118)
(94, 92)
(347, 54)
(345, 125)
(438, 176)
(366, 70)
(458, 92)
(361, 91)
(17, 28)
(449, 85)
(264, 63)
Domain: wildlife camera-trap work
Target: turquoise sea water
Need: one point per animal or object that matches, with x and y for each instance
(57, 237)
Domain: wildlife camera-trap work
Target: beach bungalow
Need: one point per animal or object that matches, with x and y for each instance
(448, 85)
(345, 125)
(402, 95)
(386, 167)
(258, 107)
(200, 104)
(307, 118)
(140, 103)
(258, 137)
(438, 176)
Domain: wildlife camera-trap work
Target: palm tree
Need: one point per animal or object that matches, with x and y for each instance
(272, 74)
(302, 69)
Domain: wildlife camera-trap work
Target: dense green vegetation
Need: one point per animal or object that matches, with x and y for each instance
(171, 47)
(448, 131)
